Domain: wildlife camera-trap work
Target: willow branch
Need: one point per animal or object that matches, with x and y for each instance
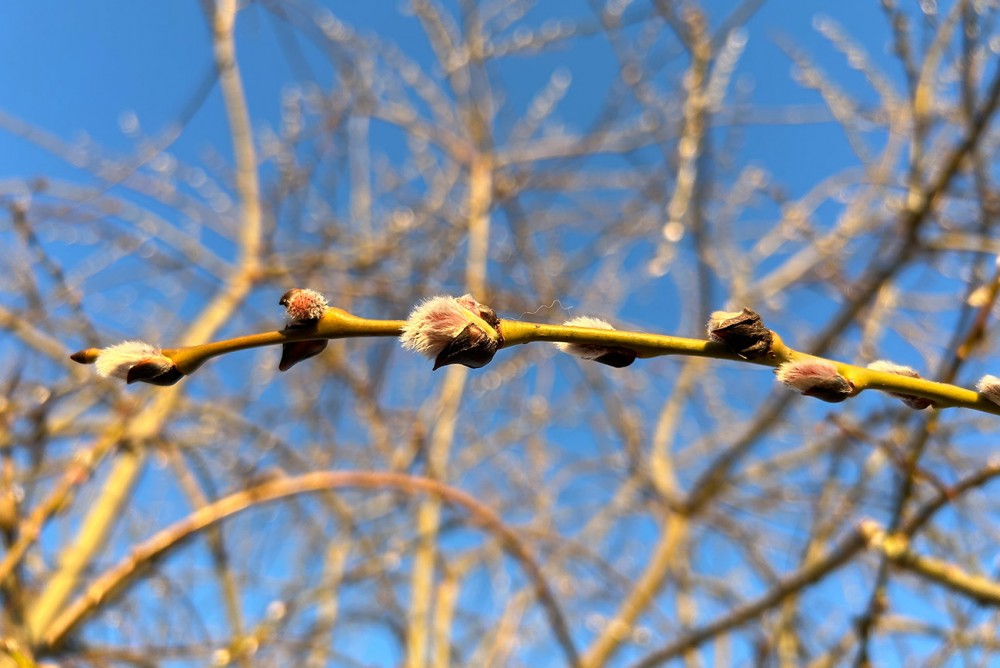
(338, 324)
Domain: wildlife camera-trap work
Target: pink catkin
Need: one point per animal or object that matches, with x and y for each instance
(304, 304)
(435, 322)
(816, 378)
(469, 302)
(806, 374)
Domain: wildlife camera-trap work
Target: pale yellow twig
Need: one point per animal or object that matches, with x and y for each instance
(337, 323)
(896, 548)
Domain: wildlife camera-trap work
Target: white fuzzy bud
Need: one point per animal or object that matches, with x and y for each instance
(989, 387)
(117, 360)
(611, 355)
(913, 401)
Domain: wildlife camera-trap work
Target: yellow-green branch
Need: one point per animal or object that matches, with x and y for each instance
(337, 324)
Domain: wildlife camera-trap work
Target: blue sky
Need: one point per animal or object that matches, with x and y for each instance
(78, 69)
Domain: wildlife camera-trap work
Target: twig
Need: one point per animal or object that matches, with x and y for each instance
(337, 324)
(661, 563)
(119, 578)
(896, 548)
(31, 527)
(809, 574)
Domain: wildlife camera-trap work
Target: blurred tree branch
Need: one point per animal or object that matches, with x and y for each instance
(641, 162)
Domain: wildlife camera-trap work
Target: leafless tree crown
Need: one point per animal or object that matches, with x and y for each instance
(359, 509)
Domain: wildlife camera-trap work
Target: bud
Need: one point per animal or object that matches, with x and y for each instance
(815, 378)
(296, 351)
(132, 361)
(743, 332)
(303, 305)
(914, 402)
(453, 331)
(989, 387)
(159, 371)
(86, 356)
(611, 355)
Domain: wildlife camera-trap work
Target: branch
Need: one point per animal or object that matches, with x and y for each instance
(118, 485)
(661, 564)
(79, 472)
(119, 578)
(896, 548)
(589, 342)
(791, 585)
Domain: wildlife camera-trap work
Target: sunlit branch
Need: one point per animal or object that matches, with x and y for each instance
(337, 324)
(121, 577)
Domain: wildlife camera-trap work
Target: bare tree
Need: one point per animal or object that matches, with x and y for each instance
(541, 510)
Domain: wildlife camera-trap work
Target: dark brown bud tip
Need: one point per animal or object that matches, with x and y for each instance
(913, 401)
(472, 348)
(743, 333)
(831, 390)
(296, 351)
(617, 357)
(153, 372)
(86, 356)
(490, 317)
